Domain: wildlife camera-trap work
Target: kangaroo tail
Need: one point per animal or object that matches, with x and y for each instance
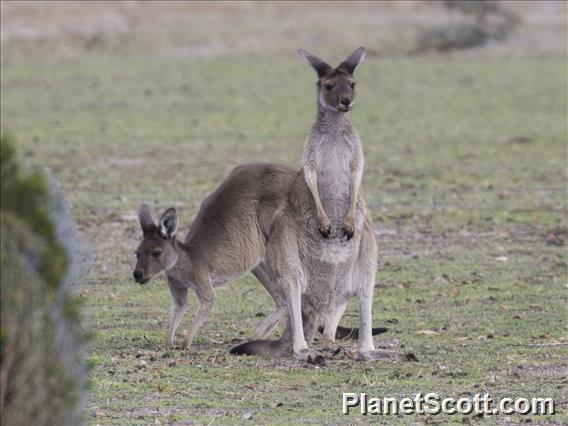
(353, 333)
(258, 347)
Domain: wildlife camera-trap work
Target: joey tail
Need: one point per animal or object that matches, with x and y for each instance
(258, 347)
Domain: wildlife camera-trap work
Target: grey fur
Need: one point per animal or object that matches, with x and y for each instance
(147, 218)
(322, 248)
(353, 60)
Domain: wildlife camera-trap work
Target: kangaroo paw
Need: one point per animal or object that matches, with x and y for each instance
(348, 230)
(324, 228)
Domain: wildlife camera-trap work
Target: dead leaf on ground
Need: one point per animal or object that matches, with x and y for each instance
(442, 279)
(554, 239)
(112, 296)
(484, 337)
(350, 353)
(427, 332)
(454, 292)
(248, 415)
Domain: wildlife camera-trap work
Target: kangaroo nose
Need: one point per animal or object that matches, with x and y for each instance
(345, 101)
(137, 275)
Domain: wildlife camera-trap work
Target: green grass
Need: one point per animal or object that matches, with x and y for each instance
(465, 166)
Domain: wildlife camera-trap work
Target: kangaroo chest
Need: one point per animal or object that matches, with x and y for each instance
(333, 158)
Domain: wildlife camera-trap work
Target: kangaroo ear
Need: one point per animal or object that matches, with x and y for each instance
(147, 219)
(320, 66)
(168, 223)
(353, 60)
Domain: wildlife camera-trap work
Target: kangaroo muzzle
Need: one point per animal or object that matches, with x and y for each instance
(139, 276)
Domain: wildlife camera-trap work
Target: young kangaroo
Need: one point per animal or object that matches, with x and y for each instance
(321, 250)
(226, 239)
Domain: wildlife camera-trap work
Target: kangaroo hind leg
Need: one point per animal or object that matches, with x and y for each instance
(261, 272)
(364, 275)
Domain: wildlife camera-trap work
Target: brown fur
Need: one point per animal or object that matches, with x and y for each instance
(226, 239)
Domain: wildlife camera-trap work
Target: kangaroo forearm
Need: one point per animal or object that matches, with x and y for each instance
(312, 182)
(355, 184)
(354, 196)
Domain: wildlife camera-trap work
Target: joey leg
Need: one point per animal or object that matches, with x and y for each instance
(179, 306)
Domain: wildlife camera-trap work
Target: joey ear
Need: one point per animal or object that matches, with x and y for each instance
(353, 60)
(168, 223)
(320, 66)
(147, 218)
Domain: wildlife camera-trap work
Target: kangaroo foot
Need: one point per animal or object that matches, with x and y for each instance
(317, 360)
(384, 355)
(312, 357)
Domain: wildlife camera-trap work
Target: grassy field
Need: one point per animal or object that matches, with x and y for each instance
(465, 175)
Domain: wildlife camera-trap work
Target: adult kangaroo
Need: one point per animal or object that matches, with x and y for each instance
(226, 239)
(322, 250)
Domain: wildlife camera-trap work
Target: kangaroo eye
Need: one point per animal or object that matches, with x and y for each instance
(156, 253)
(329, 86)
(137, 255)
